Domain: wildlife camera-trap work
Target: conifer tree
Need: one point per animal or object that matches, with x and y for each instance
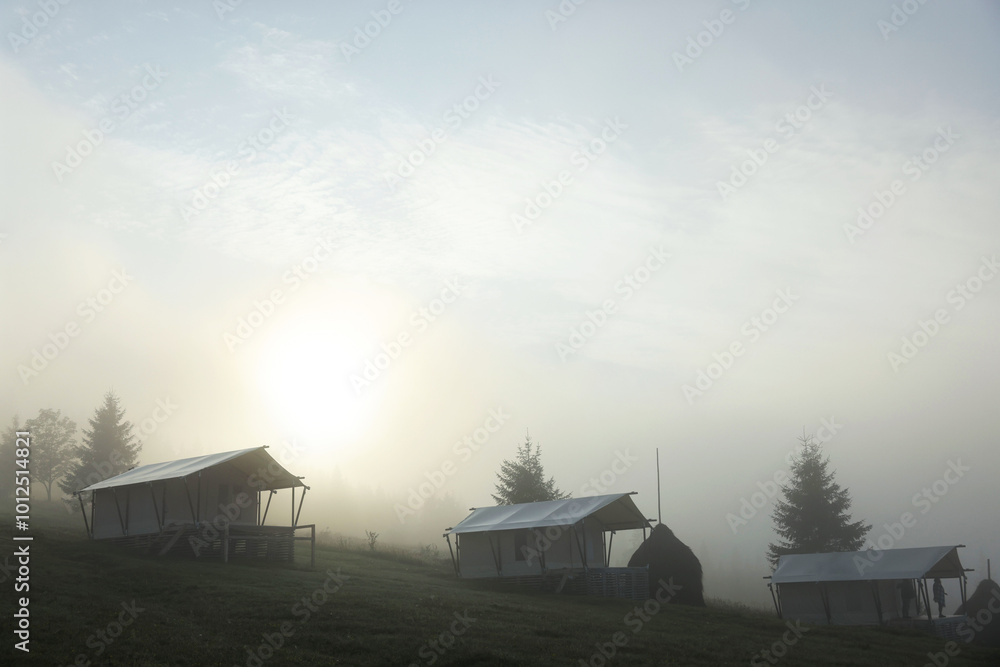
(109, 448)
(523, 479)
(812, 517)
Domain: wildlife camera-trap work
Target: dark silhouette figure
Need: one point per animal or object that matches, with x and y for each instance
(939, 596)
(668, 557)
(906, 594)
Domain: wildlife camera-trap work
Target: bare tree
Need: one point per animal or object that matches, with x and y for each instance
(52, 437)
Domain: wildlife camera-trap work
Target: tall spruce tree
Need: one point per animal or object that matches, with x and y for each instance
(523, 479)
(52, 438)
(812, 515)
(109, 448)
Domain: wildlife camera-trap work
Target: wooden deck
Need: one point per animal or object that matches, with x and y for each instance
(189, 540)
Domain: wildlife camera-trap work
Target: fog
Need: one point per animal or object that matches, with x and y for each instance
(706, 228)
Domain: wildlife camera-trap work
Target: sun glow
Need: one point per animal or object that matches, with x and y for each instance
(304, 375)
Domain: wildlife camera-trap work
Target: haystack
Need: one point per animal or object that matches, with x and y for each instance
(668, 557)
(981, 606)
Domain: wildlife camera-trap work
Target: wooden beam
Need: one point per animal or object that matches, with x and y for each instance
(121, 521)
(187, 492)
(268, 506)
(198, 520)
(295, 519)
(83, 510)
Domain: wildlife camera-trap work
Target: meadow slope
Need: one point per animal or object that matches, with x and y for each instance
(375, 609)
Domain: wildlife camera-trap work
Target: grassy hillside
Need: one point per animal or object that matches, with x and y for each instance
(383, 610)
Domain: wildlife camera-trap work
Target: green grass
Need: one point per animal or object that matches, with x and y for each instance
(207, 613)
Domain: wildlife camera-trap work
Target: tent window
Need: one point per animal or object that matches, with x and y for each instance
(520, 545)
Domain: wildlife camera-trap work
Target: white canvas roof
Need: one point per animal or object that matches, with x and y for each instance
(254, 460)
(914, 563)
(616, 511)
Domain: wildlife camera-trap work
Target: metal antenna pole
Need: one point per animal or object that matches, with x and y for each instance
(659, 507)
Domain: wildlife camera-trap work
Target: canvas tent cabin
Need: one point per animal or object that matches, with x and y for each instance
(853, 588)
(533, 542)
(211, 505)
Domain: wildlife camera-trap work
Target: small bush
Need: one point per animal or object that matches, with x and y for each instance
(372, 539)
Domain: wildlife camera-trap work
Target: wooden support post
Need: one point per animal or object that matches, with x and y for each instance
(270, 495)
(187, 492)
(295, 519)
(774, 598)
(825, 597)
(152, 496)
(83, 510)
(121, 521)
(878, 602)
(198, 520)
(576, 540)
(454, 563)
(494, 554)
(927, 601)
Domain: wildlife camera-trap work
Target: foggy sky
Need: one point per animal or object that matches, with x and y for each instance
(252, 314)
